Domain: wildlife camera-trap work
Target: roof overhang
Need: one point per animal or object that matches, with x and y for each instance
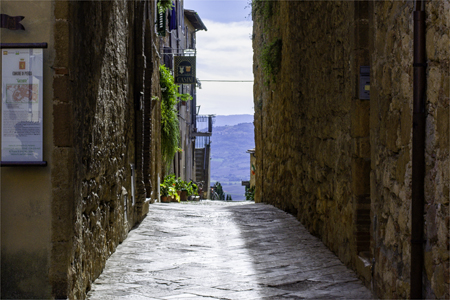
(195, 19)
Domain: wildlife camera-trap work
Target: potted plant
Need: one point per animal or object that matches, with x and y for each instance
(189, 189)
(169, 182)
(184, 190)
(193, 191)
(173, 194)
(178, 185)
(164, 190)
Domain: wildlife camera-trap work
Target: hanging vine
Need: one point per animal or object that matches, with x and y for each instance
(170, 133)
(164, 5)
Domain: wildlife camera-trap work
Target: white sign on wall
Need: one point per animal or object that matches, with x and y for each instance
(22, 104)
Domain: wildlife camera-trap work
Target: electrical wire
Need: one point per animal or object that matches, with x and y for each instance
(206, 80)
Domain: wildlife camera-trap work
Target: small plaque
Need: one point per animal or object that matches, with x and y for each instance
(364, 83)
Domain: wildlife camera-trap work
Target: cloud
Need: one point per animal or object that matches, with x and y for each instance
(225, 98)
(224, 52)
(221, 10)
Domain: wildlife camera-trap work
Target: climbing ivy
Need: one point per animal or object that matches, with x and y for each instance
(264, 8)
(270, 56)
(271, 60)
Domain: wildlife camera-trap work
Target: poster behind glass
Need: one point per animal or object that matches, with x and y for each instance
(22, 105)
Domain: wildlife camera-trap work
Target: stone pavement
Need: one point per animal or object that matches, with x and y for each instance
(224, 250)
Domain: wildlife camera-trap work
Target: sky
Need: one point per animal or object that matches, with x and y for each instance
(224, 52)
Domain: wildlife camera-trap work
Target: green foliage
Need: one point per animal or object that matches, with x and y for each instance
(170, 133)
(263, 7)
(179, 184)
(169, 119)
(194, 190)
(168, 187)
(219, 194)
(219, 191)
(164, 189)
(191, 188)
(271, 60)
(164, 5)
(250, 193)
(258, 105)
(171, 185)
(270, 52)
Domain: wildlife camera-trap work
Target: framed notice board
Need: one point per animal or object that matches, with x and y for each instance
(22, 106)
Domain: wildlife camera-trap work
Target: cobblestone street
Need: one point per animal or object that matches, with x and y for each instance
(224, 250)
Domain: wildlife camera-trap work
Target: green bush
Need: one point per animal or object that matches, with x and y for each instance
(250, 193)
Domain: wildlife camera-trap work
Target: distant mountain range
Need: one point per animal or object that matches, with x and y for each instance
(230, 164)
(232, 120)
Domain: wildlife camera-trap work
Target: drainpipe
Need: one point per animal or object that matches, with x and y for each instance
(418, 153)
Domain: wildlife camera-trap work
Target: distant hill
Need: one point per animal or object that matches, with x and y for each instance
(230, 164)
(232, 120)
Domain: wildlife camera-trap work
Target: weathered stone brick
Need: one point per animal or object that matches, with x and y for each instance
(361, 176)
(62, 43)
(61, 88)
(406, 121)
(442, 127)
(62, 125)
(360, 120)
(62, 9)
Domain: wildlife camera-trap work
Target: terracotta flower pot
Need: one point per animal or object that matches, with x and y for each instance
(164, 199)
(183, 196)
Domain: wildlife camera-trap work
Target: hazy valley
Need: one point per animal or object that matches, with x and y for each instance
(230, 163)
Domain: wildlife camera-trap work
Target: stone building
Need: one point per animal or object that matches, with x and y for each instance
(178, 39)
(203, 133)
(252, 167)
(61, 221)
(334, 133)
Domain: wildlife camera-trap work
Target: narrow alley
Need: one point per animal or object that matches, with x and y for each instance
(224, 250)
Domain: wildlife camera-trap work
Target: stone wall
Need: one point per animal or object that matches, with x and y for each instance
(342, 164)
(302, 121)
(391, 141)
(102, 124)
(101, 120)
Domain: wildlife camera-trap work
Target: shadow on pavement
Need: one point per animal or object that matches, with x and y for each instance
(289, 262)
